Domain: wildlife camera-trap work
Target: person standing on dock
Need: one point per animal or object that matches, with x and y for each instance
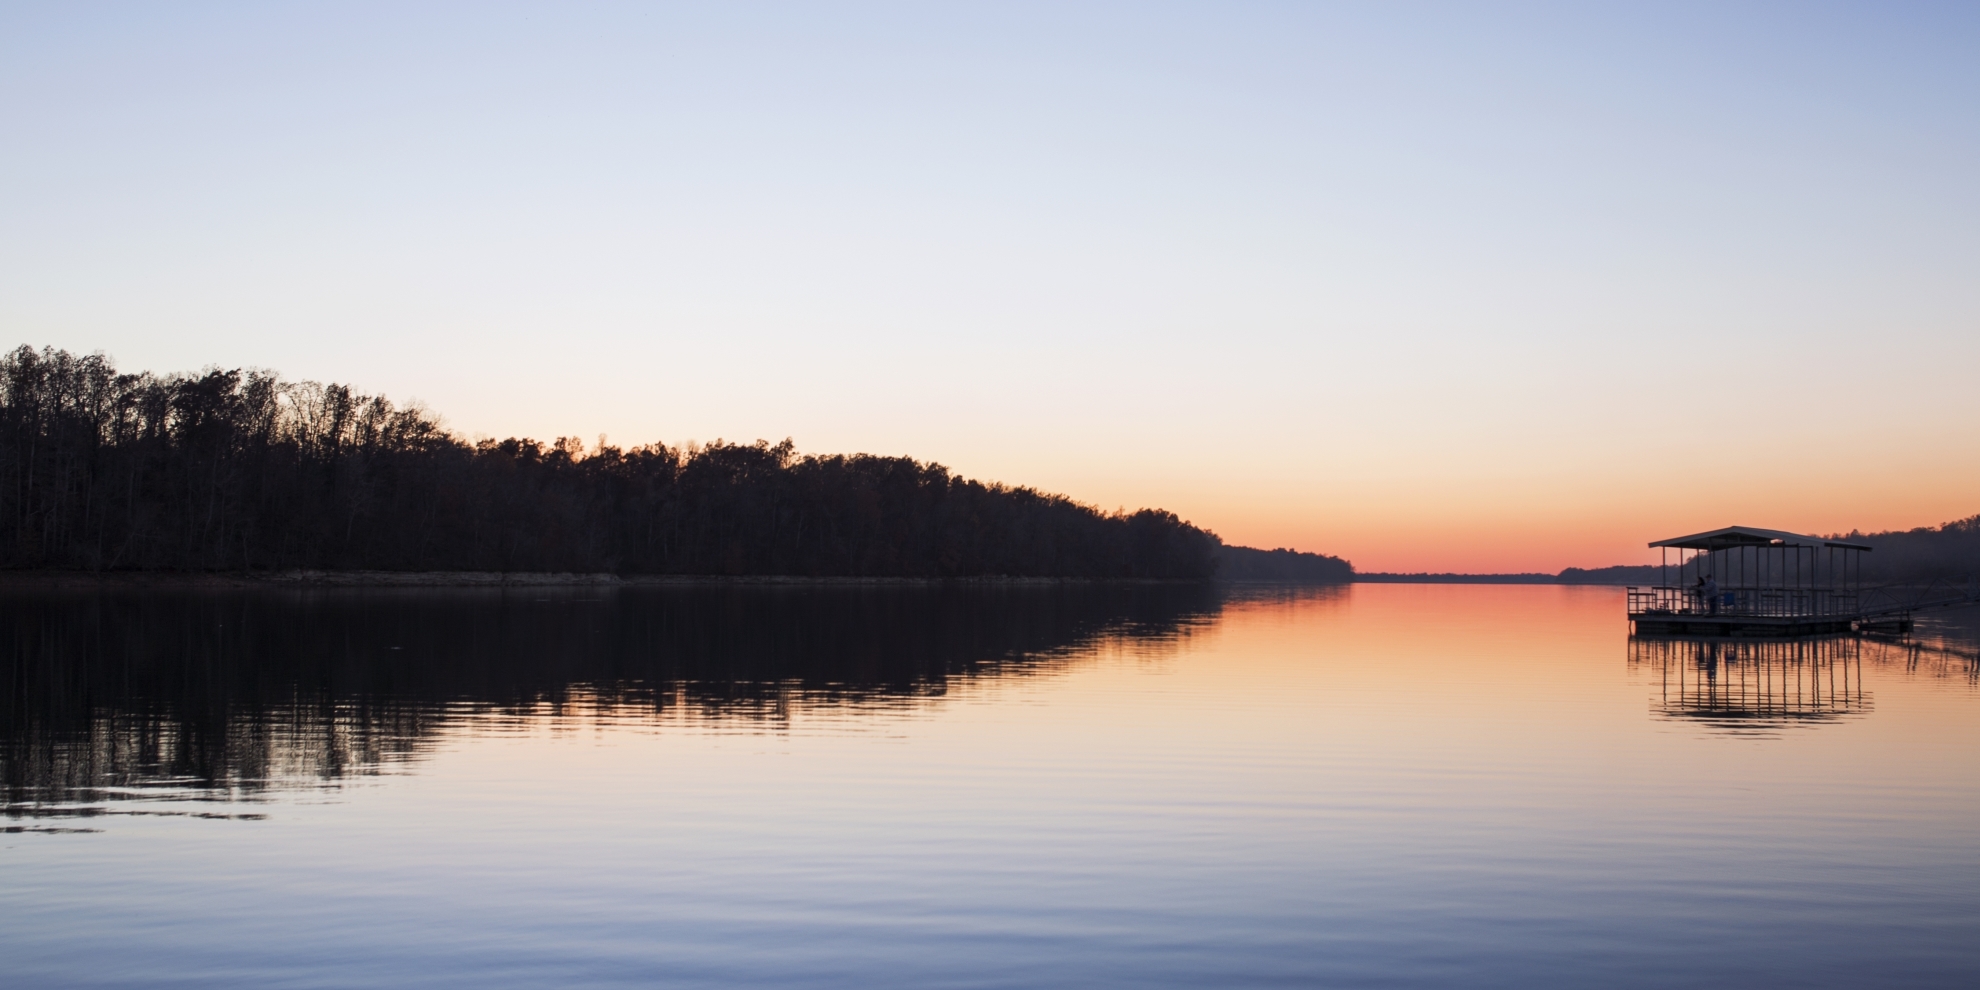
(1709, 585)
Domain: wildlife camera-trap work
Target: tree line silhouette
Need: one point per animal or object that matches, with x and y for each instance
(229, 470)
(1948, 552)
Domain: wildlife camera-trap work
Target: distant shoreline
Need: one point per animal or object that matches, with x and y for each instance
(1380, 578)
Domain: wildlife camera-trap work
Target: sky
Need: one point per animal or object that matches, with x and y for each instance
(1432, 287)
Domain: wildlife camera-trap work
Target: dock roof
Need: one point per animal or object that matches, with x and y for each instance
(1752, 536)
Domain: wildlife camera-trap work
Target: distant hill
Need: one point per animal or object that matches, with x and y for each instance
(1281, 566)
(1619, 574)
(1949, 552)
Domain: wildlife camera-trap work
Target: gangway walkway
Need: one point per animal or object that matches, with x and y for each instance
(1890, 614)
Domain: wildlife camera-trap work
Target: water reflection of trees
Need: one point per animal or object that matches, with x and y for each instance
(123, 695)
(1766, 685)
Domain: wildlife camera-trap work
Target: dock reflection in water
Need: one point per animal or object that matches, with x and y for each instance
(1755, 685)
(1765, 685)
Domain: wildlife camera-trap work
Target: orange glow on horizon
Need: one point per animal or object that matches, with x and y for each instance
(1539, 538)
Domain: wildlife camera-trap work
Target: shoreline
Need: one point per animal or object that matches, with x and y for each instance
(16, 580)
(308, 578)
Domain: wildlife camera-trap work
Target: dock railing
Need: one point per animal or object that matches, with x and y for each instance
(1779, 603)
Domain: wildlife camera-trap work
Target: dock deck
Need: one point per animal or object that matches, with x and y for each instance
(1743, 611)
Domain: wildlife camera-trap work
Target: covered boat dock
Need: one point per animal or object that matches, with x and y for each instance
(1748, 581)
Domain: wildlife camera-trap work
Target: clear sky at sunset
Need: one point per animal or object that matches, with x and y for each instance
(1465, 287)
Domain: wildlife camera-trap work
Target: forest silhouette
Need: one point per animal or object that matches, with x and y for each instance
(242, 471)
(1947, 552)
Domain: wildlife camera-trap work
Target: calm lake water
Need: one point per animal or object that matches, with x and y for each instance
(1380, 785)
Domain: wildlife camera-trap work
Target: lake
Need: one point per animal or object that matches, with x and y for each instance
(975, 786)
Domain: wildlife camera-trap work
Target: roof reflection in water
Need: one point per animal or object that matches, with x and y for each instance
(184, 696)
